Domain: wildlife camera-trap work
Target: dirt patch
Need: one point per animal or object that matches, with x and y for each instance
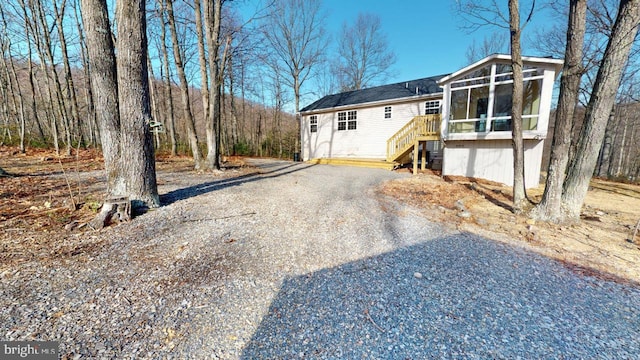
(599, 244)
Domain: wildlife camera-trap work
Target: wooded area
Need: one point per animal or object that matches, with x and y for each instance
(47, 100)
(219, 84)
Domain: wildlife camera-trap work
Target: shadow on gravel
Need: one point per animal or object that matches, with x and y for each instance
(472, 298)
(207, 187)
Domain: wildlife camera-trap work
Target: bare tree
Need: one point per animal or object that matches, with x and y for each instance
(121, 91)
(44, 47)
(138, 156)
(74, 122)
(12, 86)
(600, 104)
(296, 35)
(32, 86)
(213, 19)
(104, 83)
(364, 54)
(168, 84)
(549, 208)
(479, 14)
(202, 61)
(91, 113)
(520, 200)
(184, 88)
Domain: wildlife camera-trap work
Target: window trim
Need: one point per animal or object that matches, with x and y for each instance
(313, 123)
(347, 120)
(430, 109)
(387, 112)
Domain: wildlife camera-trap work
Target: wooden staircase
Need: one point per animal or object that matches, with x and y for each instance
(402, 143)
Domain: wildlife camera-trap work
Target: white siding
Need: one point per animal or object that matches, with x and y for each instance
(369, 140)
(492, 160)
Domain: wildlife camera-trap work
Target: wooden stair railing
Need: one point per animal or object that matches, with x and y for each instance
(425, 127)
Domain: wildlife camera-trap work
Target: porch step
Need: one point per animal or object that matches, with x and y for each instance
(368, 163)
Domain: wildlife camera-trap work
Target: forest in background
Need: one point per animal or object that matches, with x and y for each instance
(46, 98)
(46, 95)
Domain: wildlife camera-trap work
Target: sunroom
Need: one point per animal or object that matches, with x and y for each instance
(476, 114)
(477, 99)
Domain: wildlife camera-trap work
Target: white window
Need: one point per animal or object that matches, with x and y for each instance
(481, 101)
(432, 107)
(342, 120)
(313, 122)
(347, 120)
(387, 112)
(351, 120)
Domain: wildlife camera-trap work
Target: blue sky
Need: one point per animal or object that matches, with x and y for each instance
(424, 34)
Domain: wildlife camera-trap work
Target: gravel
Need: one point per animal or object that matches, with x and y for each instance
(306, 261)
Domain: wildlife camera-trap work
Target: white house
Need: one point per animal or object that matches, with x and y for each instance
(461, 121)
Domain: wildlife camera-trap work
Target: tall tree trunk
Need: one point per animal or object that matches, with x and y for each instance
(45, 75)
(604, 159)
(212, 12)
(91, 121)
(623, 143)
(32, 102)
(184, 90)
(71, 98)
(611, 170)
(600, 104)
(139, 167)
(549, 208)
(202, 59)
(13, 78)
(6, 91)
(221, 100)
(15, 90)
(153, 98)
(297, 147)
(232, 105)
(46, 46)
(520, 200)
(243, 115)
(168, 88)
(104, 83)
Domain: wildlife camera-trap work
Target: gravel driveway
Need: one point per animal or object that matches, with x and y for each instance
(308, 262)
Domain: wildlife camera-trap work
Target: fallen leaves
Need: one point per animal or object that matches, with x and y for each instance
(597, 242)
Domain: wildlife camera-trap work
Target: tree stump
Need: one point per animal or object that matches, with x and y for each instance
(113, 210)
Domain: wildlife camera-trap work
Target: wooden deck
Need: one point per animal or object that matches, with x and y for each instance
(359, 162)
(399, 147)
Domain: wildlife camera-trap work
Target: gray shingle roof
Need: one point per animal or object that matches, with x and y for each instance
(404, 89)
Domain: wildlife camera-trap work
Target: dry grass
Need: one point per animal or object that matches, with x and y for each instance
(600, 244)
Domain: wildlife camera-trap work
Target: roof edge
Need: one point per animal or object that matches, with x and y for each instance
(374, 103)
(531, 59)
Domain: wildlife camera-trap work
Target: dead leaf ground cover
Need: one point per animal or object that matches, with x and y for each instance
(49, 196)
(600, 244)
